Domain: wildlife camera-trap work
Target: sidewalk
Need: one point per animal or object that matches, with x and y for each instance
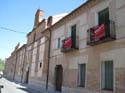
(32, 88)
(39, 89)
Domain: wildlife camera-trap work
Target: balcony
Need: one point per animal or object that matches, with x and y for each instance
(69, 44)
(101, 33)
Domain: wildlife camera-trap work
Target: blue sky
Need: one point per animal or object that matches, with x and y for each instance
(19, 15)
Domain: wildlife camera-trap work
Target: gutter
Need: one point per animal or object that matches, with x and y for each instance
(47, 76)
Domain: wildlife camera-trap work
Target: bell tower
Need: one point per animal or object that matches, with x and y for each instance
(38, 17)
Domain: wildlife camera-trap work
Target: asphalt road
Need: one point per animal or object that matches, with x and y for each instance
(12, 87)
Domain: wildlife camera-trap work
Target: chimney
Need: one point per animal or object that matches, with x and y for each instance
(38, 17)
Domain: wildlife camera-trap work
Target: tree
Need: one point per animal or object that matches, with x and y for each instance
(1, 64)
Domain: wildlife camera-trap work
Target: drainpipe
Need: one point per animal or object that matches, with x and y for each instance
(47, 76)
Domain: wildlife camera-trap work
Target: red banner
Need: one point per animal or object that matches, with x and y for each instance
(99, 32)
(68, 43)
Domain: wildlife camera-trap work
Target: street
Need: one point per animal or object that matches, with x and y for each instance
(12, 87)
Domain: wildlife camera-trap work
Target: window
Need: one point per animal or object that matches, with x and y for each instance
(71, 41)
(104, 31)
(103, 17)
(107, 75)
(73, 35)
(58, 43)
(40, 64)
(81, 75)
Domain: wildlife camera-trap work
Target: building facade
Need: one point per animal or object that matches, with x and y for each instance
(20, 64)
(88, 48)
(37, 49)
(10, 64)
(8, 70)
(29, 63)
(82, 52)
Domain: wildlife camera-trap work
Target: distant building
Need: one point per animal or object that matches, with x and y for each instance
(11, 64)
(20, 64)
(8, 71)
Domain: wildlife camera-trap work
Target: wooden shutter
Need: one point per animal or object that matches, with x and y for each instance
(73, 35)
(81, 74)
(58, 42)
(109, 75)
(104, 18)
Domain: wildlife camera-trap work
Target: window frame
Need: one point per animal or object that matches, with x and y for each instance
(58, 42)
(79, 76)
(105, 12)
(103, 75)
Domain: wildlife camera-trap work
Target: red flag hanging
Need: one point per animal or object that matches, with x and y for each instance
(99, 32)
(68, 43)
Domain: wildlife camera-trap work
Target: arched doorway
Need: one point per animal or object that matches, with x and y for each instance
(58, 77)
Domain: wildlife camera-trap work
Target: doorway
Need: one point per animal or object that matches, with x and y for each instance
(58, 77)
(27, 76)
(103, 17)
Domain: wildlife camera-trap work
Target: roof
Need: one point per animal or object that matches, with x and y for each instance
(21, 46)
(58, 17)
(55, 19)
(70, 14)
(84, 4)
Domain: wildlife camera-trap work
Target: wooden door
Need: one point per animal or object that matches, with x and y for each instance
(58, 77)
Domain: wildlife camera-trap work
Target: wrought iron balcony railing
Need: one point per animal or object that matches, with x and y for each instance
(69, 44)
(101, 33)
